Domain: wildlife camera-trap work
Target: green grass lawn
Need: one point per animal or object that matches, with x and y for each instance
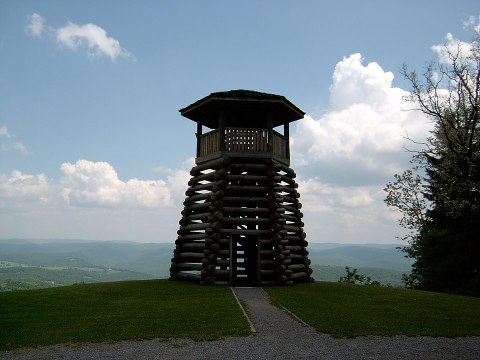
(118, 311)
(344, 310)
(166, 309)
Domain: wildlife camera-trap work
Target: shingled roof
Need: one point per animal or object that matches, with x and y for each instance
(240, 102)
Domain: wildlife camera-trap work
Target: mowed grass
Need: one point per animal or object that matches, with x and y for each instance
(118, 311)
(344, 310)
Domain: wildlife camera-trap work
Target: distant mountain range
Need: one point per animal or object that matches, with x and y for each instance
(26, 264)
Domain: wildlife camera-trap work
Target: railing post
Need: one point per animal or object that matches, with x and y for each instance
(270, 132)
(199, 138)
(286, 133)
(221, 129)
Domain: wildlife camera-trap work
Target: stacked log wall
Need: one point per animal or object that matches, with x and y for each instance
(252, 202)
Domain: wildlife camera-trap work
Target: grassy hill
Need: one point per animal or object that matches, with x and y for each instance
(118, 311)
(167, 309)
(344, 310)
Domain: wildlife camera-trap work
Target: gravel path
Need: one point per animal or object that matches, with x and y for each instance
(278, 336)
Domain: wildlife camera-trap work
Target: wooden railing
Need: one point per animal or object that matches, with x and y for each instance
(243, 140)
(246, 140)
(280, 146)
(208, 143)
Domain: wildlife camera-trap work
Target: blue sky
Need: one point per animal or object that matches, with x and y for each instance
(91, 142)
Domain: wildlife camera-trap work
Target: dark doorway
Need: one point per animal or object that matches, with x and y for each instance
(244, 260)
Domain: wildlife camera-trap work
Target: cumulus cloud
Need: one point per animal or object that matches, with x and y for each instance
(177, 179)
(36, 26)
(452, 46)
(95, 38)
(22, 187)
(89, 201)
(360, 140)
(88, 183)
(77, 36)
(345, 157)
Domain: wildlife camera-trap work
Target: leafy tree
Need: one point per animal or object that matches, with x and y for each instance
(353, 277)
(440, 197)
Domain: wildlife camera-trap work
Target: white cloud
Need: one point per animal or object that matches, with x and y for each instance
(4, 131)
(36, 26)
(22, 187)
(471, 22)
(360, 141)
(75, 36)
(345, 157)
(93, 37)
(177, 179)
(90, 202)
(7, 144)
(97, 184)
(452, 46)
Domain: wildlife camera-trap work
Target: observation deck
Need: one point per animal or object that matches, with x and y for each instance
(242, 125)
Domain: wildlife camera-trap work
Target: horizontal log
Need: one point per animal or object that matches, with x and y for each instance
(199, 216)
(246, 221)
(292, 228)
(291, 218)
(267, 263)
(200, 226)
(244, 200)
(188, 266)
(220, 283)
(294, 248)
(200, 187)
(218, 273)
(216, 239)
(191, 256)
(245, 232)
(291, 209)
(287, 179)
(245, 211)
(247, 188)
(296, 267)
(286, 189)
(197, 180)
(269, 282)
(266, 253)
(286, 199)
(195, 207)
(220, 262)
(192, 246)
(248, 178)
(213, 247)
(298, 275)
(248, 167)
(268, 273)
(192, 236)
(198, 197)
(186, 276)
(280, 167)
(213, 164)
(297, 257)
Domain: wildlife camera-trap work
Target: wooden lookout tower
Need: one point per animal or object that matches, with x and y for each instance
(241, 223)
